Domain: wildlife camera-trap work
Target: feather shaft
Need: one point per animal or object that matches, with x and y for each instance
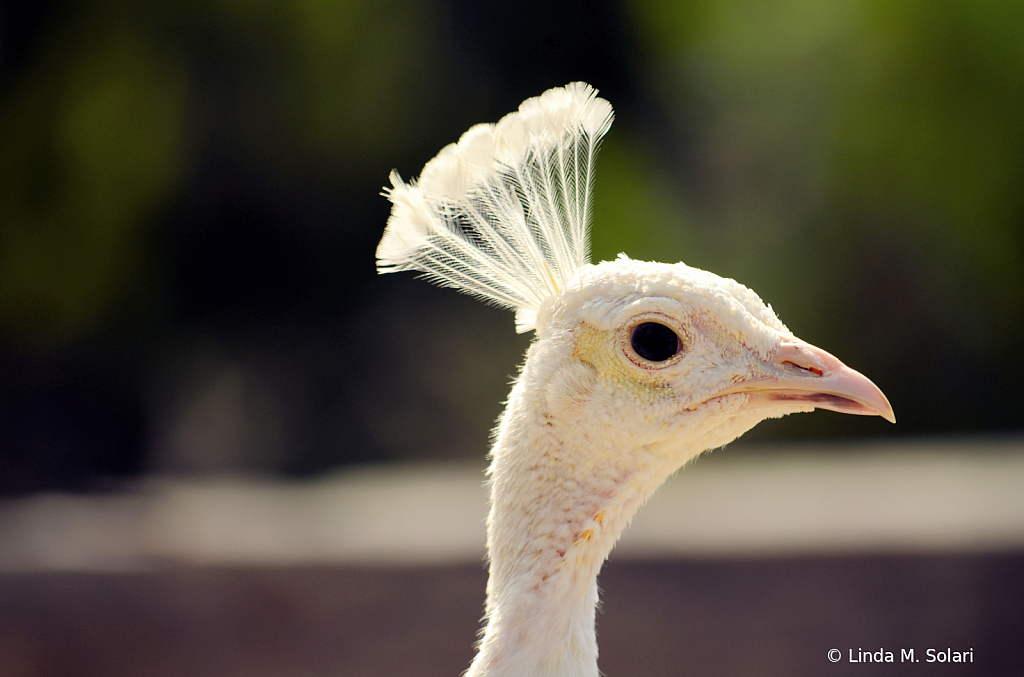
(504, 214)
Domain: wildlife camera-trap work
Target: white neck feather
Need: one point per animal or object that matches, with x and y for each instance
(562, 491)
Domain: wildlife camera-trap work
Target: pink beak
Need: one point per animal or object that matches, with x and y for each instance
(800, 372)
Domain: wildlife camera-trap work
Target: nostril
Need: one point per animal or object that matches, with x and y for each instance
(813, 370)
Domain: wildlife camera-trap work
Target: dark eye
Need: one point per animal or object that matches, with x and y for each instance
(654, 342)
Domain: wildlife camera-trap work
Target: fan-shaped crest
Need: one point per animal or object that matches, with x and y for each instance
(504, 214)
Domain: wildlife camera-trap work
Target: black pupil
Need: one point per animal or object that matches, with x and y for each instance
(655, 342)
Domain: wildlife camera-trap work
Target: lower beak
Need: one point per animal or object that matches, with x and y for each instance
(801, 373)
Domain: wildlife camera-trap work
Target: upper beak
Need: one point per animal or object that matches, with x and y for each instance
(800, 372)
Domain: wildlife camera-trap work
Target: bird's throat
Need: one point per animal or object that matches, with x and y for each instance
(558, 505)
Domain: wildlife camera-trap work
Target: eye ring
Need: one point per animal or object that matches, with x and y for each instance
(653, 341)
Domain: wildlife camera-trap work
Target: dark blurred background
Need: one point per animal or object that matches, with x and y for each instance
(190, 206)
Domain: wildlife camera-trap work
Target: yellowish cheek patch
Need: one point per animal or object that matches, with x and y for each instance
(600, 349)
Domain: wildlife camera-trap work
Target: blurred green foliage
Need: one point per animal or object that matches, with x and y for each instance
(91, 141)
(175, 176)
(106, 119)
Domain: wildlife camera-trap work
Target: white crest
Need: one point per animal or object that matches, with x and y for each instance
(504, 214)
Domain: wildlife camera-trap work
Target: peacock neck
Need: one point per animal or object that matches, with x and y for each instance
(561, 494)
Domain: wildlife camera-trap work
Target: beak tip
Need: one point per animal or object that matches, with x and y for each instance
(883, 408)
(877, 402)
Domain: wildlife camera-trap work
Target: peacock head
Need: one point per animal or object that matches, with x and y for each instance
(636, 367)
(670, 353)
(657, 351)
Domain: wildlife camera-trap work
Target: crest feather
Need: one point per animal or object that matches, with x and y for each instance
(504, 214)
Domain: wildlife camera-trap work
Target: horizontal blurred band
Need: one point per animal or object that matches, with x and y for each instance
(941, 495)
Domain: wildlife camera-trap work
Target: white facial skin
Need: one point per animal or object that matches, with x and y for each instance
(737, 363)
(592, 429)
